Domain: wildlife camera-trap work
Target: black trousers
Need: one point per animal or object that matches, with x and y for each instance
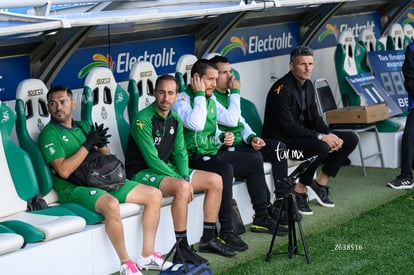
(407, 146)
(306, 147)
(240, 164)
(273, 152)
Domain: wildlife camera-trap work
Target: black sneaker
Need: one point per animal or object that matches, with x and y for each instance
(401, 183)
(215, 246)
(321, 193)
(267, 225)
(302, 203)
(189, 255)
(232, 240)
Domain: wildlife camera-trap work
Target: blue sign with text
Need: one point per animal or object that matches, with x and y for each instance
(13, 70)
(162, 53)
(387, 67)
(372, 92)
(328, 35)
(257, 43)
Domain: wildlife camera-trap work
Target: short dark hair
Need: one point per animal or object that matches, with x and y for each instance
(219, 59)
(300, 51)
(165, 77)
(201, 66)
(59, 88)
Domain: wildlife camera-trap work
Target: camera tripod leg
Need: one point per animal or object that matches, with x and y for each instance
(294, 209)
(270, 252)
(293, 216)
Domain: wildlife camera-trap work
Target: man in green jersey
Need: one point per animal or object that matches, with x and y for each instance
(204, 140)
(65, 146)
(157, 156)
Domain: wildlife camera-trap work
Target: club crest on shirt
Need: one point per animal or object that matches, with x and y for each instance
(172, 130)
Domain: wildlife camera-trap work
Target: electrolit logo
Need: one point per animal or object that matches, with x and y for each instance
(99, 60)
(332, 29)
(329, 30)
(236, 43)
(125, 61)
(409, 19)
(257, 44)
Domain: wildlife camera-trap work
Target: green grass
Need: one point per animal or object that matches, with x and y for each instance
(367, 215)
(379, 240)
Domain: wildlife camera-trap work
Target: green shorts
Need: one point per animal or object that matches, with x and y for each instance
(149, 177)
(87, 196)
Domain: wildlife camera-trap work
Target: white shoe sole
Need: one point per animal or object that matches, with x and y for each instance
(305, 213)
(319, 199)
(402, 187)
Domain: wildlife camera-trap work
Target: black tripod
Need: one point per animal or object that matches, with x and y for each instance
(289, 201)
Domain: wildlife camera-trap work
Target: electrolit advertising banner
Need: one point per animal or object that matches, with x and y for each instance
(407, 18)
(162, 53)
(259, 42)
(12, 71)
(387, 67)
(328, 35)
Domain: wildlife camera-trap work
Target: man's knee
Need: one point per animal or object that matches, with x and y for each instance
(108, 205)
(215, 182)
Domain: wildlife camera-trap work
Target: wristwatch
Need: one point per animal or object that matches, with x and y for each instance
(320, 136)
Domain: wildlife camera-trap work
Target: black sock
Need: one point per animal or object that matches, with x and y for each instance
(209, 231)
(183, 236)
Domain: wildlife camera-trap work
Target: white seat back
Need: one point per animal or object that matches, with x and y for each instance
(396, 33)
(145, 77)
(409, 31)
(100, 100)
(32, 116)
(367, 37)
(183, 70)
(347, 40)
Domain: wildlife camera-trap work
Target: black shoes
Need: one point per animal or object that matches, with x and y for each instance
(265, 224)
(189, 255)
(233, 241)
(321, 193)
(302, 203)
(215, 246)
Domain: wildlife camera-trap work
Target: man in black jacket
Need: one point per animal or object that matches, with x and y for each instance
(291, 115)
(405, 179)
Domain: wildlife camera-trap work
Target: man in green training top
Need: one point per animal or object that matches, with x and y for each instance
(157, 156)
(65, 146)
(230, 119)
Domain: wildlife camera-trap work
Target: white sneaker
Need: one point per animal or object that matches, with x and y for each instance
(155, 261)
(130, 268)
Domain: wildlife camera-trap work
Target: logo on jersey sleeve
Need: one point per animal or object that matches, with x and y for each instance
(139, 124)
(50, 148)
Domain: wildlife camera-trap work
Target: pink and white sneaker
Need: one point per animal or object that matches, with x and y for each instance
(129, 268)
(155, 262)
